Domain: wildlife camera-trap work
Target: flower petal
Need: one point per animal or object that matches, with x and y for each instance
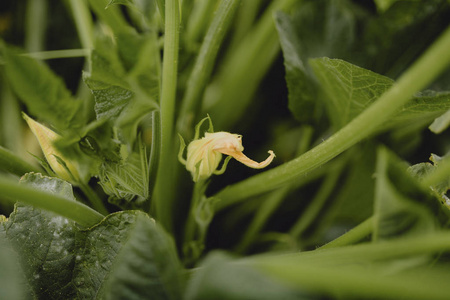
(241, 157)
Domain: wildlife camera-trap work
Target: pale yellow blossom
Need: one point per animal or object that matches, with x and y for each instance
(205, 154)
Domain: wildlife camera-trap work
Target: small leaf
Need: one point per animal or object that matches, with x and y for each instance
(439, 190)
(402, 208)
(127, 181)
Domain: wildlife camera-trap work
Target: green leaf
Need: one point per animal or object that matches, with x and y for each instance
(12, 283)
(127, 181)
(43, 92)
(50, 184)
(219, 278)
(124, 80)
(351, 89)
(127, 256)
(390, 40)
(402, 208)
(303, 36)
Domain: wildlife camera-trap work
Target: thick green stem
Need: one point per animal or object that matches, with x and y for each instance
(73, 210)
(204, 64)
(416, 78)
(229, 95)
(36, 23)
(198, 21)
(164, 191)
(191, 227)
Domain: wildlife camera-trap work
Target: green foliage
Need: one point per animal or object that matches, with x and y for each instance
(42, 91)
(351, 89)
(125, 256)
(348, 94)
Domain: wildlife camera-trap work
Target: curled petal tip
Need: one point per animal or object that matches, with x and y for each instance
(239, 156)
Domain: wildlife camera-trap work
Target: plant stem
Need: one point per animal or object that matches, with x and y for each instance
(416, 78)
(316, 205)
(73, 210)
(12, 163)
(164, 190)
(154, 155)
(36, 23)
(111, 16)
(353, 236)
(93, 198)
(228, 96)
(204, 64)
(191, 226)
(54, 54)
(83, 22)
(198, 21)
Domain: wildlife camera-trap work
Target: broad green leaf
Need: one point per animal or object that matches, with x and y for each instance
(219, 278)
(49, 184)
(350, 89)
(12, 283)
(127, 256)
(392, 40)
(42, 91)
(401, 207)
(303, 36)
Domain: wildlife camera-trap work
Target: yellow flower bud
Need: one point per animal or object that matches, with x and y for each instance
(46, 137)
(204, 155)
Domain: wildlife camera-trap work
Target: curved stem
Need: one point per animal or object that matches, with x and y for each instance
(164, 191)
(73, 210)
(416, 78)
(353, 236)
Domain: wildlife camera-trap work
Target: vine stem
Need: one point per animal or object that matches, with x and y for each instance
(80, 213)
(163, 200)
(432, 63)
(356, 234)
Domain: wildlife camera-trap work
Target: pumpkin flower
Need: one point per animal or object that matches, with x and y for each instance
(205, 154)
(63, 168)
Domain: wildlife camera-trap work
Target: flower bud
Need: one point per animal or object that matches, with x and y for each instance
(46, 138)
(205, 154)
